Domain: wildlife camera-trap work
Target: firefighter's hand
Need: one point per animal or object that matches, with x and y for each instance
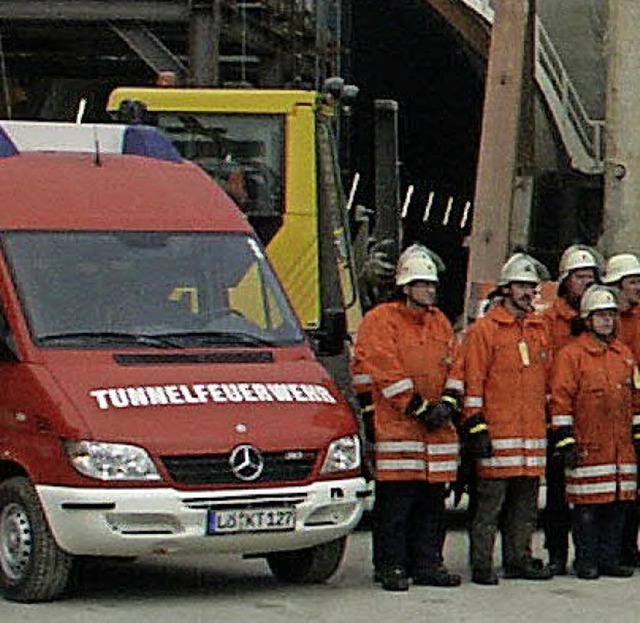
(438, 414)
(565, 447)
(367, 413)
(636, 439)
(569, 455)
(463, 479)
(477, 440)
(418, 407)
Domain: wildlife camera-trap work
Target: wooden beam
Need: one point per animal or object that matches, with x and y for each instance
(500, 141)
(472, 27)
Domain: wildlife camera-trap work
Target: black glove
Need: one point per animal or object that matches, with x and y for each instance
(464, 477)
(636, 438)
(367, 410)
(565, 446)
(441, 413)
(432, 414)
(418, 407)
(476, 438)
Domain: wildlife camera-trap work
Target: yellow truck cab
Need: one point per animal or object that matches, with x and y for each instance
(273, 153)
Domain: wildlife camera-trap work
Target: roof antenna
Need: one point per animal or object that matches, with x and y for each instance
(96, 160)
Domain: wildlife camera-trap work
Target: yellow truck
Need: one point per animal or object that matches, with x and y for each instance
(274, 153)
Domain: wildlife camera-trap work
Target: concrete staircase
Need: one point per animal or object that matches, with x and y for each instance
(582, 136)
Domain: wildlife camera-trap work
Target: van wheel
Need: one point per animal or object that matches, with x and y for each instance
(32, 566)
(308, 566)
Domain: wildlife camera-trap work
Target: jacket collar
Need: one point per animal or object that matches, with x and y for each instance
(563, 309)
(415, 315)
(593, 345)
(501, 315)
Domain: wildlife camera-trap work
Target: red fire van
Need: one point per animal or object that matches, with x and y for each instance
(157, 394)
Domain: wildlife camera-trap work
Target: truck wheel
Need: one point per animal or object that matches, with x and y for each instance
(32, 566)
(308, 566)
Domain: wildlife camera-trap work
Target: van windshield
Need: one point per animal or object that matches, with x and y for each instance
(156, 289)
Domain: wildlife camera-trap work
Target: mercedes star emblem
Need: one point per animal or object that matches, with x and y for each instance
(246, 462)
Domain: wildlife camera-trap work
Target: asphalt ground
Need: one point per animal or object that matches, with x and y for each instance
(203, 589)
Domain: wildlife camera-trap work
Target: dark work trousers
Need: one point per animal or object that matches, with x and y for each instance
(517, 500)
(597, 532)
(472, 492)
(557, 514)
(409, 525)
(629, 555)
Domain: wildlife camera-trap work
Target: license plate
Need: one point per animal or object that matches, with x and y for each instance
(251, 520)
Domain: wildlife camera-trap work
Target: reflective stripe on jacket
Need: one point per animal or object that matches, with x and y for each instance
(406, 352)
(592, 391)
(507, 365)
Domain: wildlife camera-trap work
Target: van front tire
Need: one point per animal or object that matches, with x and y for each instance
(313, 565)
(32, 566)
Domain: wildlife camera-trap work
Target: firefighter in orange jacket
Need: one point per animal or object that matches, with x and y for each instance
(580, 266)
(406, 347)
(592, 417)
(506, 373)
(623, 273)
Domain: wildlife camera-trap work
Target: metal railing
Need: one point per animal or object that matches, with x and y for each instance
(582, 136)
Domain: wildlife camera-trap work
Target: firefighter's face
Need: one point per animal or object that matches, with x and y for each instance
(630, 287)
(521, 295)
(603, 322)
(420, 294)
(579, 280)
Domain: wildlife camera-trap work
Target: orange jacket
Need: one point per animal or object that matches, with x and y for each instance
(406, 352)
(455, 379)
(506, 373)
(629, 330)
(591, 390)
(558, 318)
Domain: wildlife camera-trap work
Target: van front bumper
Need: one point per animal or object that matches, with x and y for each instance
(137, 522)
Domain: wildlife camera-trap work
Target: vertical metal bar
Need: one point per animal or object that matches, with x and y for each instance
(387, 171)
(204, 42)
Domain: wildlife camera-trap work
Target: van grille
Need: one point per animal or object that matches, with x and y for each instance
(208, 469)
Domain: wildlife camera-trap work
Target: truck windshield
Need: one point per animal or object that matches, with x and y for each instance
(243, 152)
(155, 289)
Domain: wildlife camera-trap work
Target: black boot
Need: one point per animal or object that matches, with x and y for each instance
(587, 571)
(616, 571)
(528, 569)
(558, 564)
(436, 576)
(395, 579)
(484, 577)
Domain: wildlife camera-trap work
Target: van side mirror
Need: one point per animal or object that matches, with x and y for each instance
(332, 333)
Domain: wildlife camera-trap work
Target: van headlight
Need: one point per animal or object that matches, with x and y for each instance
(111, 461)
(343, 455)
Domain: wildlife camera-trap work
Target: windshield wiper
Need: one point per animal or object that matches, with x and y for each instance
(221, 338)
(140, 339)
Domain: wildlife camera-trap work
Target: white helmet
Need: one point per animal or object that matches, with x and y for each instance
(620, 266)
(417, 263)
(596, 298)
(523, 267)
(579, 256)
